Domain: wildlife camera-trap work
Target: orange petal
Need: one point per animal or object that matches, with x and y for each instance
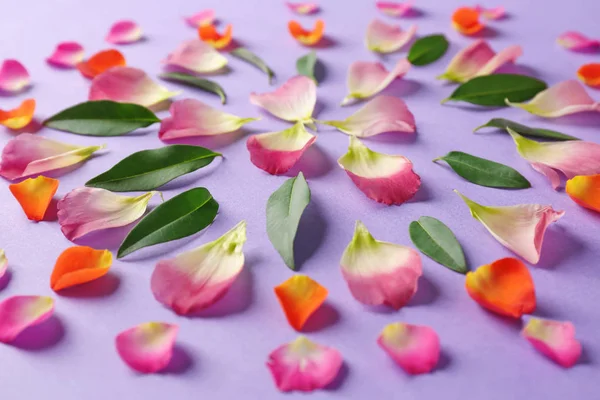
(504, 287)
(19, 117)
(585, 191)
(35, 195)
(100, 62)
(589, 74)
(300, 297)
(208, 33)
(466, 21)
(79, 264)
(304, 36)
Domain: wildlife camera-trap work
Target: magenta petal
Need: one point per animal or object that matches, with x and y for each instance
(577, 42)
(147, 347)
(66, 55)
(18, 313)
(204, 17)
(3, 263)
(415, 348)
(394, 9)
(494, 13)
(124, 32)
(13, 76)
(303, 8)
(554, 339)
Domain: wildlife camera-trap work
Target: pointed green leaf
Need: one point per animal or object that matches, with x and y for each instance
(248, 56)
(284, 210)
(436, 240)
(525, 130)
(428, 49)
(191, 80)
(306, 65)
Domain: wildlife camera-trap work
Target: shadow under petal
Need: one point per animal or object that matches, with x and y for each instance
(310, 234)
(324, 317)
(427, 293)
(423, 194)
(101, 287)
(339, 380)
(181, 362)
(5, 279)
(320, 71)
(42, 336)
(559, 244)
(211, 141)
(51, 214)
(314, 163)
(326, 42)
(109, 239)
(402, 88)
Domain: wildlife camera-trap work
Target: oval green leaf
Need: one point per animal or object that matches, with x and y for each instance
(284, 210)
(484, 172)
(493, 90)
(102, 118)
(525, 130)
(428, 49)
(150, 169)
(436, 241)
(191, 80)
(306, 65)
(179, 217)
(248, 56)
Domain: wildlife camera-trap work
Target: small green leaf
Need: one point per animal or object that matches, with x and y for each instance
(306, 65)
(248, 56)
(484, 172)
(284, 210)
(525, 130)
(493, 90)
(150, 169)
(179, 217)
(191, 80)
(428, 49)
(436, 241)
(102, 118)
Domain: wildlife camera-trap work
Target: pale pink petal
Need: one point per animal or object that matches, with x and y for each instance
(124, 32)
(196, 56)
(554, 339)
(414, 348)
(196, 279)
(293, 101)
(13, 76)
(28, 155)
(18, 313)
(204, 17)
(66, 55)
(491, 13)
(3, 263)
(147, 347)
(366, 79)
(304, 365)
(384, 38)
(394, 9)
(576, 41)
(303, 8)
(380, 272)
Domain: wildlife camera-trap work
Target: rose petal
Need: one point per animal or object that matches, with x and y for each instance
(28, 155)
(384, 38)
(466, 21)
(19, 117)
(100, 62)
(13, 77)
(366, 79)
(491, 13)
(196, 56)
(304, 365)
(303, 8)
(554, 339)
(414, 348)
(306, 37)
(394, 9)
(147, 347)
(79, 264)
(85, 210)
(203, 17)
(519, 228)
(381, 177)
(300, 296)
(277, 152)
(35, 195)
(590, 75)
(585, 191)
(3, 263)
(66, 55)
(18, 313)
(194, 280)
(380, 272)
(124, 32)
(128, 85)
(576, 41)
(208, 34)
(293, 101)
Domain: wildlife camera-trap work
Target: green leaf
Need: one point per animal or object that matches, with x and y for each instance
(102, 118)
(436, 241)
(493, 90)
(150, 169)
(484, 172)
(191, 80)
(179, 217)
(284, 210)
(248, 56)
(306, 65)
(525, 130)
(428, 49)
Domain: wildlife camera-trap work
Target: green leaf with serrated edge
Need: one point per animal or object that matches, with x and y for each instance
(248, 56)
(306, 65)
(150, 169)
(201, 83)
(436, 241)
(428, 49)
(525, 130)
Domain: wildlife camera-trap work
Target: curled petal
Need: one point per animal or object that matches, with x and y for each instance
(577, 41)
(277, 152)
(66, 55)
(100, 62)
(554, 339)
(208, 34)
(3, 263)
(300, 296)
(366, 79)
(34, 195)
(85, 210)
(590, 75)
(19, 117)
(147, 347)
(304, 36)
(384, 38)
(520, 228)
(194, 280)
(380, 272)
(28, 155)
(79, 264)
(585, 191)
(304, 365)
(293, 101)
(18, 313)
(124, 32)
(303, 8)
(204, 17)
(466, 21)
(414, 348)
(13, 76)
(394, 9)
(196, 56)
(381, 177)
(491, 13)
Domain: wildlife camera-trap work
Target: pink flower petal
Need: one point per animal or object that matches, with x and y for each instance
(124, 32)
(18, 313)
(196, 56)
(394, 9)
(577, 41)
(128, 85)
(381, 177)
(293, 101)
(13, 76)
(66, 55)
(147, 347)
(554, 339)
(415, 348)
(28, 155)
(491, 13)
(277, 152)
(380, 272)
(304, 365)
(384, 38)
(3, 263)
(366, 79)
(196, 279)
(204, 17)
(303, 8)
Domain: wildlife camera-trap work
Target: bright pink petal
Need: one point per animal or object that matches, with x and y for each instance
(3, 263)
(394, 9)
(147, 347)
(124, 32)
(18, 313)
(415, 348)
(13, 76)
(66, 55)
(366, 79)
(554, 339)
(576, 41)
(303, 8)
(491, 13)
(204, 17)
(293, 101)
(196, 56)
(384, 38)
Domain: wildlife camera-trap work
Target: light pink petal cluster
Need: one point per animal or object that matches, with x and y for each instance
(293, 101)
(196, 56)
(366, 79)
(385, 38)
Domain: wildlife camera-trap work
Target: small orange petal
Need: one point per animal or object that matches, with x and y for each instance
(79, 264)
(585, 191)
(19, 117)
(208, 33)
(504, 287)
(466, 21)
(34, 195)
(304, 36)
(100, 62)
(300, 297)
(589, 74)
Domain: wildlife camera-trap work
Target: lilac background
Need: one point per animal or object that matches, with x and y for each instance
(222, 354)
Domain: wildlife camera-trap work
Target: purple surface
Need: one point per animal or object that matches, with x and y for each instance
(222, 354)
